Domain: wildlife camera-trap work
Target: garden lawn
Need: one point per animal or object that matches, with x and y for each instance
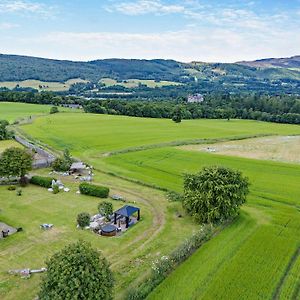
(130, 255)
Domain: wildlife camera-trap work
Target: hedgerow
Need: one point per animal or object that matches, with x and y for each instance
(45, 182)
(93, 190)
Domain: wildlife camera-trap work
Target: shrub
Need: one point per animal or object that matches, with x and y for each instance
(93, 190)
(55, 189)
(83, 219)
(54, 110)
(63, 164)
(12, 188)
(45, 182)
(174, 197)
(105, 209)
(77, 272)
(19, 192)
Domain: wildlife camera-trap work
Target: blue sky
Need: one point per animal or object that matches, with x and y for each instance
(185, 30)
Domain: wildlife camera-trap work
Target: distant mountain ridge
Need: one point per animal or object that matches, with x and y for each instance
(289, 62)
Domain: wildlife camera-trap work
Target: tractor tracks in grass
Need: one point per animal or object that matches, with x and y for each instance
(158, 223)
(277, 292)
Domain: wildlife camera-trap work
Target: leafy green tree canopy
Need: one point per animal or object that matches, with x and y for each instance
(15, 162)
(77, 272)
(4, 134)
(214, 194)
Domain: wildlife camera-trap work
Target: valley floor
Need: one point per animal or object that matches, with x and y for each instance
(257, 257)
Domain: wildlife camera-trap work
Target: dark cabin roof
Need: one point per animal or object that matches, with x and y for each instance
(126, 211)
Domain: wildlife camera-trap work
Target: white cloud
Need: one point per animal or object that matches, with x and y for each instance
(142, 7)
(25, 6)
(6, 26)
(214, 44)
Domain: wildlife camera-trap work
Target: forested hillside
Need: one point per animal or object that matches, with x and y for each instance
(18, 68)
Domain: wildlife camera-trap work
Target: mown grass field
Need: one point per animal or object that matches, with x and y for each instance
(42, 85)
(90, 135)
(17, 111)
(257, 257)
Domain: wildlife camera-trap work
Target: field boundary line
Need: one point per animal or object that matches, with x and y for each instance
(185, 143)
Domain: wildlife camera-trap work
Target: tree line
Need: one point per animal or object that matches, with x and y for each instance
(279, 109)
(255, 106)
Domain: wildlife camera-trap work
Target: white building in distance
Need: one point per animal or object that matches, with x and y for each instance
(197, 98)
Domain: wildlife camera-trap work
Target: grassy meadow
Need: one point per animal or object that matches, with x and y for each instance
(88, 135)
(17, 111)
(42, 85)
(133, 83)
(256, 257)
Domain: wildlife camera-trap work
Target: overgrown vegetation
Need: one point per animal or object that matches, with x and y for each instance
(63, 164)
(166, 264)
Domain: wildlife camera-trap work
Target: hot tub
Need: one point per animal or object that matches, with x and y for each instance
(109, 230)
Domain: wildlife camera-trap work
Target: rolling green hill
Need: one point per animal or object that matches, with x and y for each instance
(221, 75)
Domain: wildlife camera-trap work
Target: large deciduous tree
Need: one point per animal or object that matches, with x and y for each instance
(15, 162)
(4, 134)
(214, 194)
(77, 272)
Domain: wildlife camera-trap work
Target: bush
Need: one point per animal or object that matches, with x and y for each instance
(55, 189)
(45, 182)
(12, 188)
(53, 110)
(19, 192)
(77, 272)
(93, 190)
(83, 219)
(105, 209)
(63, 164)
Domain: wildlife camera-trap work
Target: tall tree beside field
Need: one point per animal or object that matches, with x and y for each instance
(15, 162)
(77, 272)
(214, 194)
(4, 134)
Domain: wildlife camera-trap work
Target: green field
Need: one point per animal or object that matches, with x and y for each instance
(257, 257)
(269, 226)
(133, 83)
(42, 85)
(87, 134)
(21, 111)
